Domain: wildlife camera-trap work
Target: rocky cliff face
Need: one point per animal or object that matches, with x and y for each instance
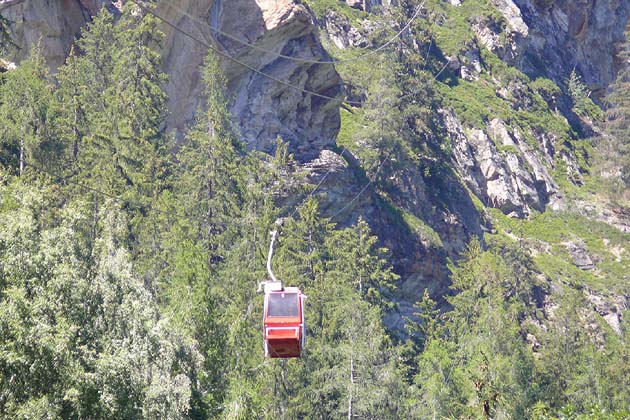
(51, 25)
(551, 37)
(542, 39)
(264, 109)
(504, 165)
(500, 179)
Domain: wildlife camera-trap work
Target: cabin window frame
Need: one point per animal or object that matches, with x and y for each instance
(278, 308)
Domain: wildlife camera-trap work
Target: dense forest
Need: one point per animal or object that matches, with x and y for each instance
(130, 254)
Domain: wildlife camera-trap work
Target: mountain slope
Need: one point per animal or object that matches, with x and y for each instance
(473, 145)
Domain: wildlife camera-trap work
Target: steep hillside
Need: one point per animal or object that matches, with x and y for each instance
(508, 131)
(469, 136)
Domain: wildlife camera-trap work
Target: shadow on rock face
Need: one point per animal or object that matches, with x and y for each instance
(262, 108)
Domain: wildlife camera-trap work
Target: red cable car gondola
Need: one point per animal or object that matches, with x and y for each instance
(284, 328)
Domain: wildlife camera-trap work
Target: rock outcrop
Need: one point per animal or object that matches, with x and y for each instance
(578, 251)
(341, 33)
(265, 109)
(367, 5)
(611, 309)
(553, 37)
(53, 26)
(492, 162)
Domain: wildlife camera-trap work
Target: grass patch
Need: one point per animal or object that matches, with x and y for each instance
(320, 7)
(452, 24)
(426, 233)
(600, 238)
(475, 103)
(351, 122)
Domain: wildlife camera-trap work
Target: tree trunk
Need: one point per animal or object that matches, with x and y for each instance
(351, 387)
(21, 156)
(75, 146)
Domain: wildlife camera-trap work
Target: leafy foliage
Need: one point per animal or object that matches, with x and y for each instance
(129, 263)
(81, 335)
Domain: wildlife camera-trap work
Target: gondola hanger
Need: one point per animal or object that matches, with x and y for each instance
(284, 326)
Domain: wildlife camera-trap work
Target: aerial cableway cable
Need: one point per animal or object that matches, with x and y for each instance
(298, 59)
(284, 324)
(268, 76)
(237, 61)
(143, 206)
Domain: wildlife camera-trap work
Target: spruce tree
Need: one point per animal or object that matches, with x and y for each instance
(112, 104)
(347, 371)
(25, 101)
(211, 165)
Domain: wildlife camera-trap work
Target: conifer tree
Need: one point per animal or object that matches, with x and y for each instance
(482, 359)
(25, 100)
(578, 92)
(355, 256)
(113, 103)
(85, 120)
(349, 369)
(211, 164)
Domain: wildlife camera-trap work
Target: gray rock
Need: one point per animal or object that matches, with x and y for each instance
(585, 35)
(367, 5)
(341, 32)
(263, 108)
(513, 15)
(554, 38)
(51, 25)
(579, 253)
(356, 4)
(611, 308)
(500, 179)
(610, 213)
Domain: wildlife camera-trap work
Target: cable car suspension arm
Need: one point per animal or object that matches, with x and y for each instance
(273, 239)
(274, 281)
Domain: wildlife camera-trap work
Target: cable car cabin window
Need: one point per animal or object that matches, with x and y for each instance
(282, 304)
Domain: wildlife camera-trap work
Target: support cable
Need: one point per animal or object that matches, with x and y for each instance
(351, 202)
(169, 214)
(298, 59)
(237, 61)
(321, 181)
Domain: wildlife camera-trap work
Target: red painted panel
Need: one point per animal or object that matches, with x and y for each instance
(280, 348)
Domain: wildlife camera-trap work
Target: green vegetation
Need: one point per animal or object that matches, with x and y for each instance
(129, 263)
(605, 245)
(351, 120)
(477, 102)
(144, 305)
(320, 7)
(451, 24)
(474, 362)
(579, 93)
